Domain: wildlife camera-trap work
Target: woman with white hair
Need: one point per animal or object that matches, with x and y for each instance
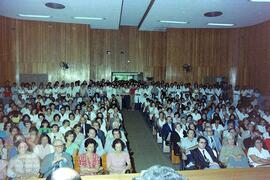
(232, 155)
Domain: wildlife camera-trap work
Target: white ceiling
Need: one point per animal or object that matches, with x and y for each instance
(134, 12)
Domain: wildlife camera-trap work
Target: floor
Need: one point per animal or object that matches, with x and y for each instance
(146, 150)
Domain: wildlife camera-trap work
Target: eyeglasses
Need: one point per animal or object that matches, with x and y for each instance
(203, 142)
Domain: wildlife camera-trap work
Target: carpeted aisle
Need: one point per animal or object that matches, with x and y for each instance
(146, 151)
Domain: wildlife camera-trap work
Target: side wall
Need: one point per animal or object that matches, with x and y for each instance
(32, 47)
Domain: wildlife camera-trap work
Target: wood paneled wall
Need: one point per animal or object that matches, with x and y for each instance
(44, 45)
(7, 49)
(33, 47)
(210, 52)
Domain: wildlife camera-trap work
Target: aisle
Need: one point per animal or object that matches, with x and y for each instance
(146, 151)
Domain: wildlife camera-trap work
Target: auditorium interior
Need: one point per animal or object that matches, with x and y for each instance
(134, 89)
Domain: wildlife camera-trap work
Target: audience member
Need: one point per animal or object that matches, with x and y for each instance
(118, 162)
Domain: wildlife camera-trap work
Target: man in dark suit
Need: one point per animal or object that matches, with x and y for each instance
(84, 126)
(203, 156)
(167, 128)
(100, 133)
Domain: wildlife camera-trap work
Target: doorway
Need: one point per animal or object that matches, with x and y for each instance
(125, 76)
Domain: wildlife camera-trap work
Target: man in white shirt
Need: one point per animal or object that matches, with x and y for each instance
(258, 157)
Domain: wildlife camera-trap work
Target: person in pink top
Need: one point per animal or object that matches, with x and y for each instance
(118, 162)
(89, 162)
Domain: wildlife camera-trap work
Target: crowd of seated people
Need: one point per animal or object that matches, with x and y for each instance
(63, 124)
(76, 125)
(209, 126)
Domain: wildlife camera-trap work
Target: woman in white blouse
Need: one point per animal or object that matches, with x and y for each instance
(25, 165)
(44, 147)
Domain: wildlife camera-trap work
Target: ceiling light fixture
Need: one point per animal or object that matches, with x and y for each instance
(220, 24)
(173, 22)
(55, 5)
(213, 14)
(89, 18)
(34, 16)
(266, 1)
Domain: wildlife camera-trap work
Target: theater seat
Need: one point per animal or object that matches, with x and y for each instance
(104, 162)
(267, 143)
(174, 158)
(76, 162)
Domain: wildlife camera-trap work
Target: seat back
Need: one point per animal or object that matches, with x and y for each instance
(104, 162)
(174, 158)
(76, 162)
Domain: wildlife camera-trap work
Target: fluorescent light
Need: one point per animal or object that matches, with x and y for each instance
(173, 22)
(260, 0)
(219, 24)
(34, 16)
(89, 18)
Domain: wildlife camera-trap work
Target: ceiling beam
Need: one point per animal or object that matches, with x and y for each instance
(146, 12)
(121, 11)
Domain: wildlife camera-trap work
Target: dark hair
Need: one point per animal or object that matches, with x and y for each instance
(6, 123)
(40, 114)
(56, 115)
(14, 127)
(96, 122)
(116, 141)
(202, 137)
(69, 133)
(77, 125)
(193, 125)
(24, 122)
(33, 129)
(45, 121)
(24, 116)
(65, 122)
(56, 126)
(19, 142)
(92, 129)
(91, 141)
(71, 114)
(191, 130)
(115, 129)
(256, 139)
(42, 136)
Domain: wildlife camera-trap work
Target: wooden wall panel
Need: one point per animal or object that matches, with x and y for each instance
(258, 56)
(39, 47)
(7, 47)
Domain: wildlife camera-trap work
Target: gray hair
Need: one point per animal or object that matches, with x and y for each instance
(65, 174)
(58, 140)
(160, 172)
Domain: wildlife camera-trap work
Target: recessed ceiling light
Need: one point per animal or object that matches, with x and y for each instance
(213, 14)
(34, 16)
(219, 24)
(54, 5)
(173, 22)
(260, 0)
(89, 18)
